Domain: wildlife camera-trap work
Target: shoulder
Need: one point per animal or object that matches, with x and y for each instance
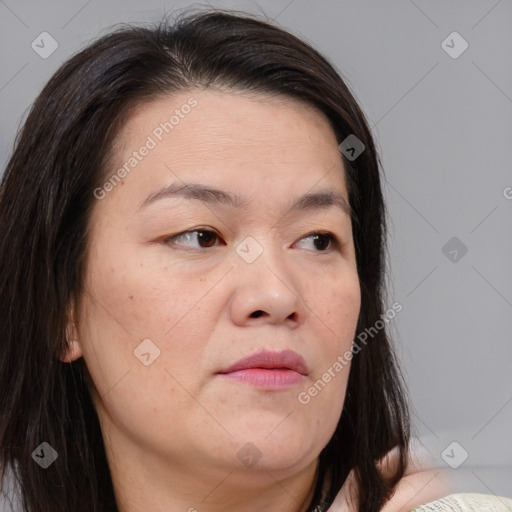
(422, 483)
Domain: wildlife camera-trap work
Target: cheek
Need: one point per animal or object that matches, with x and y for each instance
(336, 301)
(132, 318)
(131, 298)
(142, 298)
(337, 304)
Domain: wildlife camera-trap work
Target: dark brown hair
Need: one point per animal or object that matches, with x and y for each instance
(46, 199)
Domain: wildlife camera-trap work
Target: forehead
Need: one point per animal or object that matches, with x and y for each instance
(228, 122)
(245, 141)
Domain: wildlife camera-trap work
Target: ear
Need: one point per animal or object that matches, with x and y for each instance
(74, 349)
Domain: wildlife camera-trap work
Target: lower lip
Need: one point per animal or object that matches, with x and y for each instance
(273, 379)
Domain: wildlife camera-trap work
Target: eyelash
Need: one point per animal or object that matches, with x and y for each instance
(335, 242)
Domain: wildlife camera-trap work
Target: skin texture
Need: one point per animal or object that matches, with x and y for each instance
(173, 429)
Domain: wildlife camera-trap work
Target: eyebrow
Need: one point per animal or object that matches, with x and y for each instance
(194, 191)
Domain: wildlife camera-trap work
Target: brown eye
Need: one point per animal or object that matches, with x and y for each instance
(322, 240)
(204, 237)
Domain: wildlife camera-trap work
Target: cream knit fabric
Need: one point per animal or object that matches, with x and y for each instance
(467, 502)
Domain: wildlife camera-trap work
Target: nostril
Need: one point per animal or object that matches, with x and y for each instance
(256, 314)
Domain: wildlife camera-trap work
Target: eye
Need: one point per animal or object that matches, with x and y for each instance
(321, 240)
(205, 237)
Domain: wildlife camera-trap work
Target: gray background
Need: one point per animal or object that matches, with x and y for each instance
(443, 127)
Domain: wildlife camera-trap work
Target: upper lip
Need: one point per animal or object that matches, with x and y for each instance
(287, 359)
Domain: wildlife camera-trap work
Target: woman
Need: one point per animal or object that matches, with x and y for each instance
(174, 336)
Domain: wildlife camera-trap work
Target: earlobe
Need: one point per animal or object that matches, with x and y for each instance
(74, 349)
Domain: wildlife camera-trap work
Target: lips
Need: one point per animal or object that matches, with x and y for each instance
(267, 360)
(268, 371)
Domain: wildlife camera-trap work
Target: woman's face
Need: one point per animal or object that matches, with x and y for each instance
(181, 286)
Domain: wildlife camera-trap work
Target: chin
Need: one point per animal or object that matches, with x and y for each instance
(279, 450)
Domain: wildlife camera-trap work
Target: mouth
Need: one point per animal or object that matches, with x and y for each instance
(269, 370)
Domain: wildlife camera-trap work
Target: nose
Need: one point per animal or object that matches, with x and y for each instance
(266, 290)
